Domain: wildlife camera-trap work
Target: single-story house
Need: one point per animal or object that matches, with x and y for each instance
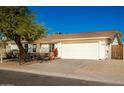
(89, 45)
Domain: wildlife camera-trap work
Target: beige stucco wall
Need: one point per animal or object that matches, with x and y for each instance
(42, 48)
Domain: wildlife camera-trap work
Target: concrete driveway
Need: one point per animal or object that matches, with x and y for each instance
(109, 71)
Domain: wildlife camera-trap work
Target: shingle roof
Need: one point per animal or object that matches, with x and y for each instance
(55, 37)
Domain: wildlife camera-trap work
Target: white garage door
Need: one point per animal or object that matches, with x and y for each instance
(80, 51)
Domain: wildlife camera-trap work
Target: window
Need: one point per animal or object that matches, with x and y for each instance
(34, 47)
(26, 47)
(51, 47)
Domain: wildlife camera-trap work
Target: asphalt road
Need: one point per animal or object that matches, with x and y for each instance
(10, 78)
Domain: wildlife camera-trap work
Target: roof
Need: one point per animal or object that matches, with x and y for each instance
(84, 35)
(12, 41)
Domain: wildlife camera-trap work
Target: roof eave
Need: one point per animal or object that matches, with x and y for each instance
(58, 40)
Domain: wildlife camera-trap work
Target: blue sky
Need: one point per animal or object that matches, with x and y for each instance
(74, 19)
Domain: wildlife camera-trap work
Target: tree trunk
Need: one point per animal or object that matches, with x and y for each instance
(22, 53)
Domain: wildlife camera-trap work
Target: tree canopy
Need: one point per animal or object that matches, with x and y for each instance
(17, 21)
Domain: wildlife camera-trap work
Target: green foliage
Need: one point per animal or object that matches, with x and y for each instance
(17, 21)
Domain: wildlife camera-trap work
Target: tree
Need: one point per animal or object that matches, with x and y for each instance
(16, 23)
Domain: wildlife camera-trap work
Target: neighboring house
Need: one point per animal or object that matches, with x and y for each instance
(2, 48)
(11, 46)
(90, 45)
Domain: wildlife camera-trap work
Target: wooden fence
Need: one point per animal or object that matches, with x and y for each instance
(117, 52)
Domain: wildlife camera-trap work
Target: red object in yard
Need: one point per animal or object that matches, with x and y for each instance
(55, 51)
(54, 54)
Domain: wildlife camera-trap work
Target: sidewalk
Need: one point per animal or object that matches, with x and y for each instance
(102, 71)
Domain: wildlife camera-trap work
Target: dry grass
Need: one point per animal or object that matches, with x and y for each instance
(15, 62)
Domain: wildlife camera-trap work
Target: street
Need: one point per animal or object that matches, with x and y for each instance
(10, 78)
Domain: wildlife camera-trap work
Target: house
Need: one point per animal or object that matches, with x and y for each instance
(89, 45)
(11, 46)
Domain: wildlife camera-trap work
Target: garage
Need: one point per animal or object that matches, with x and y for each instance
(80, 51)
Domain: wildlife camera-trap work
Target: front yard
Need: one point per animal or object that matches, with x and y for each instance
(111, 71)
